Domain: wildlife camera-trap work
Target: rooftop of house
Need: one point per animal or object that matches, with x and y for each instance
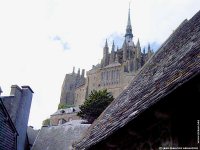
(59, 137)
(66, 111)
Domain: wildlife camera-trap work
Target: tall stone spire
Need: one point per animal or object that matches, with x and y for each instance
(106, 44)
(149, 53)
(113, 46)
(138, 49)
(105, 60)
(112, 55)
(129, 34)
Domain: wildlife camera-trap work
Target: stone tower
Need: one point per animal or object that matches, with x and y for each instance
(70, 83)
(116, 70)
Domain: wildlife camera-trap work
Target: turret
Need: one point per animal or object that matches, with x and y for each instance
(112, 55)
(149, 53)
(73, 70)
(83, 73)
(105, 60)
(124, 51)
(138, 48)
(106, 49)
(78, 72)
(144, 50)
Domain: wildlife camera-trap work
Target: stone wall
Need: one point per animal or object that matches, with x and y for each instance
(70, 83)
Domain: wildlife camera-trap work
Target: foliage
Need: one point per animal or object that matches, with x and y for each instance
(63, 106)
(95, 105)
(46, 122)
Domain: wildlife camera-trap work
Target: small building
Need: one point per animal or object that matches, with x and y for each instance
(8, 132)
(62, 116)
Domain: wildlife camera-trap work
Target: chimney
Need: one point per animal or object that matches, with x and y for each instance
(0, 91)
(78, 71)
(83, 73)
(13, 107)
(23, 115)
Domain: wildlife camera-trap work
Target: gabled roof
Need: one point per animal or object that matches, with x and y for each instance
(59, 137)
(176, 62)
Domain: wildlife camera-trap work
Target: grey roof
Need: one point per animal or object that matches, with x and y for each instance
(66, 111)
(59, 137)
(32, 134)
(176, 62)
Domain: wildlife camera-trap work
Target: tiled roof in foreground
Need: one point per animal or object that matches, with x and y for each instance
(176, 62)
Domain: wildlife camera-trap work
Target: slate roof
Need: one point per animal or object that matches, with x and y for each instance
(176, 62)
(59, 137)
(66, 111)
(32, 134)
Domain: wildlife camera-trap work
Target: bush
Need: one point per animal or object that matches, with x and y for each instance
(95, 105)
(64, 106)
(46, 122)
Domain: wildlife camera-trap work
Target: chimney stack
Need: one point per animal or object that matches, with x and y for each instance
(83, 73)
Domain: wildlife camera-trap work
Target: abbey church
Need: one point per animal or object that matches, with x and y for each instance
(116, 69)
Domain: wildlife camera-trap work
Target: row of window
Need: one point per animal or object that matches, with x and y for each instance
(110, 83)
(112, 75)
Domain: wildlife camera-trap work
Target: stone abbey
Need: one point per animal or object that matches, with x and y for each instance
(116, 69)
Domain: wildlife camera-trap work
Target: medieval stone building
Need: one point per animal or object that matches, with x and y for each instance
(159, 109)
(116, 70)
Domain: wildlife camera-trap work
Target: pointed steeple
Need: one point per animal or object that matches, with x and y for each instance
(113, 46)
(105, 60)
(138, 49)
(106, 44)
(144, 50)
(149, 53)
(149, 48)
(129, 18)
(129, 34)
(112, 55)
(73, 70)
(138, 43)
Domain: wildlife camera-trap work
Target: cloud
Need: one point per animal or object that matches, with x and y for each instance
(63, 43)
(118, 39)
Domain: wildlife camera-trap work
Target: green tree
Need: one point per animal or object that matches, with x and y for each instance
(63, 106)
(46, 122)
(95, 105)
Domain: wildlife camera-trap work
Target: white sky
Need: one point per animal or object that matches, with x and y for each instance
(41, 40)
